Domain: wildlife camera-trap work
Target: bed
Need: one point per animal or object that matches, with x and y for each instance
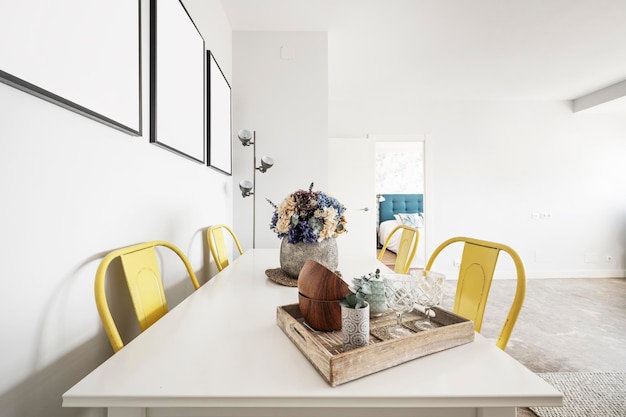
(402, 209)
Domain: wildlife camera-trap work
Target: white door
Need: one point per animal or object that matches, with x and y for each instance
(351, 181)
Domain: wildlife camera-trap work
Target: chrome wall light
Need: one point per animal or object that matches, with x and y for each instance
(246, 187)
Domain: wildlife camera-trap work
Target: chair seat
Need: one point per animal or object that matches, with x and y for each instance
(143, 278)
(478, 264)
(217, 244)
(409, 239)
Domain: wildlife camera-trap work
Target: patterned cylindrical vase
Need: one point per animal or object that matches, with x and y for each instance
(355, 326)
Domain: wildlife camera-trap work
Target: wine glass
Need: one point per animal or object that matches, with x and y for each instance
(429, 294)
(400, 291)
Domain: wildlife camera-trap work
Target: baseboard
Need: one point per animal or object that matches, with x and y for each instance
(606, 273)
(552, 274)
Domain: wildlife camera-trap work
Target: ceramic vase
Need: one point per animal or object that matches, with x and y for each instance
(377, 299)
(355, 327)
(294, 255)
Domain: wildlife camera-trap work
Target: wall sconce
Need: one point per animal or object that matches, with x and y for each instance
(379, 199)
(246, 187)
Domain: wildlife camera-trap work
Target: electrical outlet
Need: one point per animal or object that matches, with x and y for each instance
(456, 263)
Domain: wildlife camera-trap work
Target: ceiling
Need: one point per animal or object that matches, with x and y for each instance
(455, 49)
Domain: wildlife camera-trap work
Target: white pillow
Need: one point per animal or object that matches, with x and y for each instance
(410, 219)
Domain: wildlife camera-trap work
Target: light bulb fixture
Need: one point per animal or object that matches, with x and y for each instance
(245, 136)
(248, 138)
(266, 163)
(379, 199)
(246, 188)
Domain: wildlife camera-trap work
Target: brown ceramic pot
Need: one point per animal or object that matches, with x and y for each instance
(320, 283)
(322, 315)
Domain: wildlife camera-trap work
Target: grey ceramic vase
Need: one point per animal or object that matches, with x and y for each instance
(294, 255)
(355, 327)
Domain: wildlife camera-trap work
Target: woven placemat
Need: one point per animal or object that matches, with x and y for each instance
(586, 394)
(279, 276)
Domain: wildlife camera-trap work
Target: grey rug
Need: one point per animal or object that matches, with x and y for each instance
(587, 394)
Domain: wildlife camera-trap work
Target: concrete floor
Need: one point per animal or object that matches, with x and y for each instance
(566, 325)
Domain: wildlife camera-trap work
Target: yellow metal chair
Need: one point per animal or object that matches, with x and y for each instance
(143, 277)
(406, 250)
(477, 267)
(217, 244)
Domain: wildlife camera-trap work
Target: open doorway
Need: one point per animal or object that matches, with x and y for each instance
(399, 176)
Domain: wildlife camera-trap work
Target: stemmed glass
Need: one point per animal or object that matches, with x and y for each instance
(429, 294)
(400, 291)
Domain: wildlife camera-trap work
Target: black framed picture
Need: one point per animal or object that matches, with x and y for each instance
(177, 81)
(82, 55)
(220, 129)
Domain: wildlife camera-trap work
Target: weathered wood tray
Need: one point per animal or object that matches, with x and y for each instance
(325, 349)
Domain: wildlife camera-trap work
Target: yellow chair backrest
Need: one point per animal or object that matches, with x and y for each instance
(476, 271)
(143, 277)
(406, 250)
(217, 244)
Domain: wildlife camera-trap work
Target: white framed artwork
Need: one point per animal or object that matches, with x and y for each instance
(177, 81)
(82, 55)
(220, 130)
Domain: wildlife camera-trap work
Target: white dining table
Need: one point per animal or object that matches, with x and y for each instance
(221, 353)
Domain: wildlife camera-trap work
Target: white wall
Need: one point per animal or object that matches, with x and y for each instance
(286, 102)
(489, 165)
(73, 189)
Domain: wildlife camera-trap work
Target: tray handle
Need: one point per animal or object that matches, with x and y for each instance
(296, 332)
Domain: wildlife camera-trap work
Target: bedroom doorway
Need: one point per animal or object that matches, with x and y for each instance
(352, 178)
(399, 169)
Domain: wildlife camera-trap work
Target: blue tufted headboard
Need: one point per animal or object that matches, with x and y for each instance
(400, 203)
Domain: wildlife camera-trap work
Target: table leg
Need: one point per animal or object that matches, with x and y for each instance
(126, 412)
(496, 412)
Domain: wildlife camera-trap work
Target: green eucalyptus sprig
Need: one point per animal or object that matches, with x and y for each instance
(360, 289)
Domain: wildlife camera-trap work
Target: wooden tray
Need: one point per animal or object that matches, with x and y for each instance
(325, 349)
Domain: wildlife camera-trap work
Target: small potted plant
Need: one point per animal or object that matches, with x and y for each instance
(376, 296)
(355, 314)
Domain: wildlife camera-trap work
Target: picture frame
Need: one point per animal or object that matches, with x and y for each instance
(220, 118)
(177, 81)
(82, 56)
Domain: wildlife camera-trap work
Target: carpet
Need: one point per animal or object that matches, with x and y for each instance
(586, 394)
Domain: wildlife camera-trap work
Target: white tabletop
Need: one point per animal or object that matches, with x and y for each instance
(220, 352)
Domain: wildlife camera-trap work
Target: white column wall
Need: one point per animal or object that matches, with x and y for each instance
(286, 102)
